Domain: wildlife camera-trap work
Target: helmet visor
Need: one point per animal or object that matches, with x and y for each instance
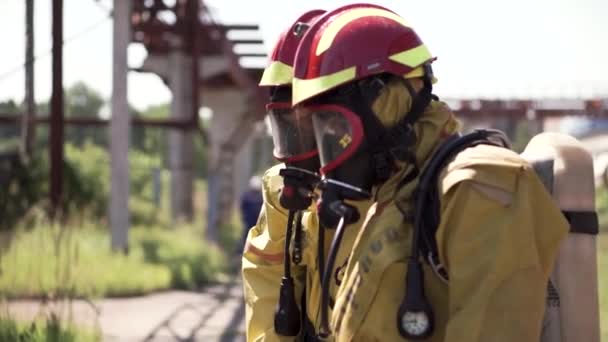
(338, 133)
(292, 133)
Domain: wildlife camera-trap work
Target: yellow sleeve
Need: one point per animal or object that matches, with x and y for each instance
(499, 236)
(262, 264)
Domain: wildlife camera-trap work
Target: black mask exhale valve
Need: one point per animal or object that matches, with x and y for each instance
(330, 204)
(298, 185)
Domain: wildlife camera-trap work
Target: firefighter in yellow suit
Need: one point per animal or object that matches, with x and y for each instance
(263, 256)
(367, 90)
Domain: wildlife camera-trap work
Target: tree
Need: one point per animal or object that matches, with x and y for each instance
(9, 133)
(83, 101)
(153, 140)
(150, 139)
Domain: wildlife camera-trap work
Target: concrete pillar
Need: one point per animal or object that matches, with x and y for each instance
(243, 163)
(220, 187)
(181, 149)
(227, 187)
(120, 127)
(230, 154)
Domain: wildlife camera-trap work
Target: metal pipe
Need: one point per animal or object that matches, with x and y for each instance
(195, 59)
(27, 124)
(56, 123)
(120, 128)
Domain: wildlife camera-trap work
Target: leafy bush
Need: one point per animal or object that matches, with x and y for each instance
(75, 260)
(22, 186)
(191, 262)
(86, 179)
(86, 187)
(90, 167)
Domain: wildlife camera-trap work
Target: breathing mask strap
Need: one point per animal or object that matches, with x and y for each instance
(386, 145)
(403, 132)
(375, 133)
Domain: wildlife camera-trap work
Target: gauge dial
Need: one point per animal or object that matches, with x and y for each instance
(415, 323)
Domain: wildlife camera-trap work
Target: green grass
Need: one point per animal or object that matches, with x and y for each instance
(76, 261)
(51, 330)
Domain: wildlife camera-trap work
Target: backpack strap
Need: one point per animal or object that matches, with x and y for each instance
(426, 201)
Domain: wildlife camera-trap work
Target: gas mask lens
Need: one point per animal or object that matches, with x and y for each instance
(338, 133)
(292, 132)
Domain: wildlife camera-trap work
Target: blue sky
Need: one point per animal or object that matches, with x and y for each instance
(512, 49)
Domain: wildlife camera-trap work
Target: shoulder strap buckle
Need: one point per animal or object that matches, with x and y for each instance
(438, 268)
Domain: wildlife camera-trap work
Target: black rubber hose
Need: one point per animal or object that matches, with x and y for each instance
(324, 330)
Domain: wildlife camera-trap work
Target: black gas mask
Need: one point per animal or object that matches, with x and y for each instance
(349, 139)
(357, 152)
(341, 120)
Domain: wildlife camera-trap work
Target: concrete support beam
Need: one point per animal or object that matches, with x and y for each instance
(120, 128)
(181, 149)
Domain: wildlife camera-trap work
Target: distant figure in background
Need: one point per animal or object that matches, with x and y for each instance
(251, 204)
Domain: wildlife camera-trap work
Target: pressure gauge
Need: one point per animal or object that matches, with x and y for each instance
(415, 319)
(416, 324)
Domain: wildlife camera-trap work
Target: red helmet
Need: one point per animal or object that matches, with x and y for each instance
(280, 70)
(354, 42)
(292, 136)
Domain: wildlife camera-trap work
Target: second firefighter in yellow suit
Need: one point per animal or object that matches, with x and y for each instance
(263, 257)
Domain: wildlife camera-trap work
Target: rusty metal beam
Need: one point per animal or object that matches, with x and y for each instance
(27, 126)
(56, 124)
(6, 119)
(247, 41)
(14, 119)
(522, 114)
(241, 77)
(239, 27)
(194, 54)
(252, 54)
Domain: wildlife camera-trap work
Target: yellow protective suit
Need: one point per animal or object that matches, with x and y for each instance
(498, 239)
(262, 266)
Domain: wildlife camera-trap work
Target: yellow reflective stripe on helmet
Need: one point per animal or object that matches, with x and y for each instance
(412, 57)
(277, 73)
(418, 72)
(334, 27)
(305, 89)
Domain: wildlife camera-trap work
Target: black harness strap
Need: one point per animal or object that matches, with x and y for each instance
(582, 222)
